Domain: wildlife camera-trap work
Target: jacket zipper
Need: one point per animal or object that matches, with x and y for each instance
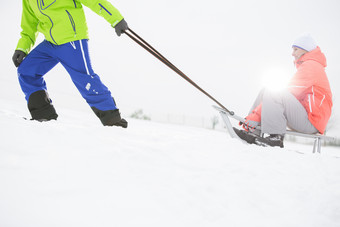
(310, 104)
(102, 7)
(42, 4)
(72, 22)
(41, 11)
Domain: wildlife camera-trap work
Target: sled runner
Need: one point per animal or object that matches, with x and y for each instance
(318, 138)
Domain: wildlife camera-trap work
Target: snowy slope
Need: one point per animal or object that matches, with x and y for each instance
(75, 172)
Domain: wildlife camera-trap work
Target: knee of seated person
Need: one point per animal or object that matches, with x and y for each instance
(275, 95)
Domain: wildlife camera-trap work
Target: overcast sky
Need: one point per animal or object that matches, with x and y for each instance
(226, 47)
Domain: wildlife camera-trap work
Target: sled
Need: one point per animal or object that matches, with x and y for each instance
(225, 113)
(318, 138)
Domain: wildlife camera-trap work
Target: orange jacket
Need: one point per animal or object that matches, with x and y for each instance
(311, 87)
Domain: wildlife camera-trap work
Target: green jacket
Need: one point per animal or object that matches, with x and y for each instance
(61, 21)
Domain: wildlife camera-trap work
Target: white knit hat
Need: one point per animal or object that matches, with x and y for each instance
(305, 42)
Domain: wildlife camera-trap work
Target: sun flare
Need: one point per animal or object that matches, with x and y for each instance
(275, 79)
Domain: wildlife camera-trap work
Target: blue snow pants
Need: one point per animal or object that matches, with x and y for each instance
(74, 56)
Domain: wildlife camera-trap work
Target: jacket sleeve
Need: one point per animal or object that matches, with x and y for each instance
(303, 80)
(29, 26)
(105, 9)
(255, 114)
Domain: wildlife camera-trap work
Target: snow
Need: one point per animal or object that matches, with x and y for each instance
(75, 172)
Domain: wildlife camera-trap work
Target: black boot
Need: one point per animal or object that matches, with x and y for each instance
(273, 140)
(110, 117)
(246, 136)
(40, 106)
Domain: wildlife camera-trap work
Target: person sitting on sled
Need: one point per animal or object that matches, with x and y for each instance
(304, 106)
(64, 26)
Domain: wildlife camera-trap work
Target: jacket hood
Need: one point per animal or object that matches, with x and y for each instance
(314, 55)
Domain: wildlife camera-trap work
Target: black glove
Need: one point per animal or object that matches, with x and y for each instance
(18, 57)
(121, 27)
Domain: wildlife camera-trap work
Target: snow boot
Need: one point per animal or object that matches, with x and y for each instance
(246, 136)
(40, 107)
(273, 140)
(110, 117)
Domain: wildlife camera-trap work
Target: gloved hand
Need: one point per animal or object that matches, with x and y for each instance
(18, 57)
(252, 120)
(121, 27)
(250, 125)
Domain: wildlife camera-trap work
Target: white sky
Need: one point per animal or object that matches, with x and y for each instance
(224, 46)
